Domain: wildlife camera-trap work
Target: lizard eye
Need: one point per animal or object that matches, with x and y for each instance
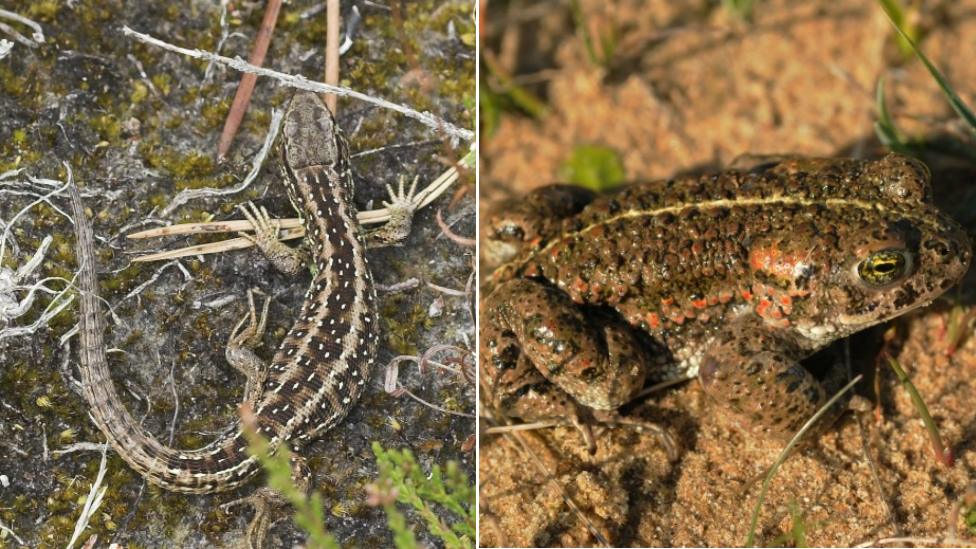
(884, 267)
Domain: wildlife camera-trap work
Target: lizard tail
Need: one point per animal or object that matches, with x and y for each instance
(221, 465)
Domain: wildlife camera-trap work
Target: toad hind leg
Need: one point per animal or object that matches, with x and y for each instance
(755, 372)
(594, 358)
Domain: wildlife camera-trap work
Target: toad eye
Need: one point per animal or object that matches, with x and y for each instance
(884, 267)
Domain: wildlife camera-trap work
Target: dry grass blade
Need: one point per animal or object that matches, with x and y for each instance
(93, 501)
(291, 227)
(239, 243)
(209, 228)
(904, 541)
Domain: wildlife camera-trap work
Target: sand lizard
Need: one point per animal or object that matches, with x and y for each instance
(324, 362)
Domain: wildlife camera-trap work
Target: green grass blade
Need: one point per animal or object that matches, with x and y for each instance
(885, 128)
(957, 104)
(942, 453)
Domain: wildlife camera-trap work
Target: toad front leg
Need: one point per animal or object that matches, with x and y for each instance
(754, 370)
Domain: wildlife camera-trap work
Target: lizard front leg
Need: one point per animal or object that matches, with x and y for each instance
(401, 207)
(266, 237)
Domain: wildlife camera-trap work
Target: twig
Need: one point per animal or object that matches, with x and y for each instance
(16, 35)
(38, 35)
(903, 541)
(303, 83)
(448, 291)
(332, 23)
(405, 285)
(467, 374)
(151, 280)
(468, 242)
(393, 388)
(4, 528)
(422, 143)
(80, 447)
(246, 87)
(191, 194)
(224, 34)
(502, 429)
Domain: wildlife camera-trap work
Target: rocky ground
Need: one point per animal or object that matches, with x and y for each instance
(137, 125)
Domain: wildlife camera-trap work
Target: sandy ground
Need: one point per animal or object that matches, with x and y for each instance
(692, 88)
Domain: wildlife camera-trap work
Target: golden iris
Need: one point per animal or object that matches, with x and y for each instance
(882, 267)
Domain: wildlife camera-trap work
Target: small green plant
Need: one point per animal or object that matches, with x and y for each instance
(403, 480)
(955, 101)
(499, 92)
(904, 19)
(962, 320)
(595, 167)
(942, 453)
(600, 40)
(797, 535)
(970, 518)
(740, 8)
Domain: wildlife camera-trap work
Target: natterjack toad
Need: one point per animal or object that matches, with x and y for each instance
(733, 277)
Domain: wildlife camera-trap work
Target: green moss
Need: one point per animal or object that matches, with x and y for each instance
(163, 82)
(402, 335)
(19, 137)
(43, 10)
(139, 92)
(213, 114)
(108, 127)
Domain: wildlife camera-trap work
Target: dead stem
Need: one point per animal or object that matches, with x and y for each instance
(243, 96)
(333, 21)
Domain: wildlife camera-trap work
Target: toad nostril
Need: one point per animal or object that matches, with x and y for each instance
(938, 246)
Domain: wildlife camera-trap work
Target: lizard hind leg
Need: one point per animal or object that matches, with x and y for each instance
(240, 349)
(269, 503)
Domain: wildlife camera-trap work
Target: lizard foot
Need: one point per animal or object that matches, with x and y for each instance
(401, 207)
(269, 503)
(266, 503)
(240, 354)
(266, 238)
